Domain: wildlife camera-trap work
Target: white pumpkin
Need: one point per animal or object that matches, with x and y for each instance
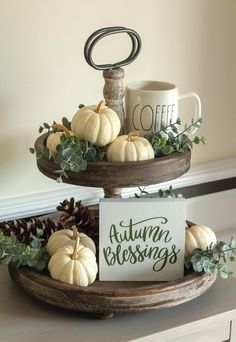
(54, 139)
(129, 147)
(74, 265)
(65, 237)
(98, 124)
(198, 236)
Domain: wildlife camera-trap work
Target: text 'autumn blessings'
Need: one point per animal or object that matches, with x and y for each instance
(130, 243)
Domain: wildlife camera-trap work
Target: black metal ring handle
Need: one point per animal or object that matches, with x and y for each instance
(106, 31)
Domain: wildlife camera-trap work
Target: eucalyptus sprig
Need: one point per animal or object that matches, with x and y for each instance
(168, 139)
(213, 259)
(162, 193)
(13, 251)
(72, 154)
(52, 128)
(169, 193)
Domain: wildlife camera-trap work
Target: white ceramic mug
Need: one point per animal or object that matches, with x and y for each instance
(150, 103)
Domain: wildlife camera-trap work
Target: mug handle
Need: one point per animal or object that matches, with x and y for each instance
(197, 106)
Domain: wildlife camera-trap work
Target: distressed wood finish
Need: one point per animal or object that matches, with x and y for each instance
(113, 92)
(107, 298)
(110, 175)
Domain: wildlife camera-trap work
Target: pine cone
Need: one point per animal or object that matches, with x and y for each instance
(74, 213)
(24, 230)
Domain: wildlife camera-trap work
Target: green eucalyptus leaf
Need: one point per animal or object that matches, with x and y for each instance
(175, 129)
(198, 267)
(58, 158)
(46, 153)
(205, 261)
(65, 165)
(46, 125)
(66, 123)
(41, 129)
(224, 274)
(59, 148)
(83, 165)
(32, 150)
(63, 139)
(230, 274)
(75, 168)
(178, 121)
(216, 257)
(212, 269)
(77, 148)
(196, 140)
(171, 136)
(167, 149)
(67, 152)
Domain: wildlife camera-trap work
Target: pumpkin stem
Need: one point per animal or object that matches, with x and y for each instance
(101, 103)
(75, 232)
(63, 128)
(74, 254)
(131, 135)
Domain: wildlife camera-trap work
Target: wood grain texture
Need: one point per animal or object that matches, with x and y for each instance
(107, 175)
(113, 92)
(111, 297)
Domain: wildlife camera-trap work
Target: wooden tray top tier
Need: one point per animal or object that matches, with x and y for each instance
(107, 298)
(106, 174)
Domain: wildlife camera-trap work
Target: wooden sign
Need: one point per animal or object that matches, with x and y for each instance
(141, 239)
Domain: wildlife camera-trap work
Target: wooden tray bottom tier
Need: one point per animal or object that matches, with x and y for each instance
(107, 298)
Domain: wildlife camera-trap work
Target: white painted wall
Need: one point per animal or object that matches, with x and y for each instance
(44, 75)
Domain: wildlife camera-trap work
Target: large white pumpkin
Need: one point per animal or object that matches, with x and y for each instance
(129, 147)
(66, 237)
(198, 236)
(98, 124)
(74, 265)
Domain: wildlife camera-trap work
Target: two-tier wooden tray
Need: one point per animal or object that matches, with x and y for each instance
(106, 298)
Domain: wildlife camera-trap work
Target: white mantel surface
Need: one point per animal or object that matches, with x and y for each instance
(24, 319)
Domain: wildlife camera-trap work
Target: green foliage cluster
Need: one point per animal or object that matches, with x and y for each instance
(169, 193)
(168, 139)
(72, 154)
(13, 251)
(213, 259)
(162, 193)
(65, 122)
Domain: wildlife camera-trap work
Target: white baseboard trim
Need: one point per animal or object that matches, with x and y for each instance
(28, 205)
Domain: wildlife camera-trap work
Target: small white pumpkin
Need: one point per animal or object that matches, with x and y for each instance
(98, 124)
(65, 237)
(74, 265)
(198, 236)
(54, 139)
(129, 147)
